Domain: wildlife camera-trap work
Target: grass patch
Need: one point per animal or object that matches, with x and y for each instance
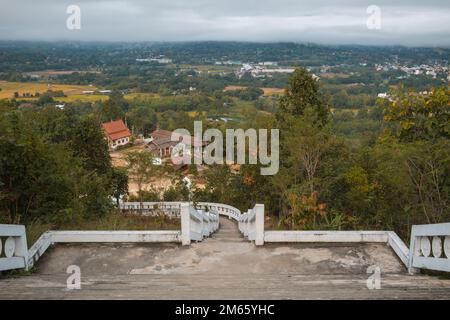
(271, 222)
(142, 96)
(11, 274)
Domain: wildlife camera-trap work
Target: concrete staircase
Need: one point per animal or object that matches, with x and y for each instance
(228, 232)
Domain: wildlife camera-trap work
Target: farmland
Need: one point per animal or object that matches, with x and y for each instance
(83, 97)
(73, 92)
(267, 91)
(9, 88)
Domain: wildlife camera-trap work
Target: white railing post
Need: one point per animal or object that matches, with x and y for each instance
(259, 224)
(14, 248)
(185, 224)
(413, 250)
(247, 223)
(430, 247)
(22, 248)
(217, 220)
(202, 224)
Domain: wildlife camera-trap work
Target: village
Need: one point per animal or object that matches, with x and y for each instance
(159, 145)
(415, 70)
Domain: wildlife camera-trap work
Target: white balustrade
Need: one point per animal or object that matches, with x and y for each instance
(13, 247)
(197, 224)
(172, 209)
(39, 248)
(251, 224)
(430, 247)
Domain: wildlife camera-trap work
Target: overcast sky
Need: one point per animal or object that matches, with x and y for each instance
(413, 22)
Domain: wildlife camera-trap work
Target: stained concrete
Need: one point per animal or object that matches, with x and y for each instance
(225, 266)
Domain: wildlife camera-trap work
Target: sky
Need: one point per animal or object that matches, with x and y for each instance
(402, 22)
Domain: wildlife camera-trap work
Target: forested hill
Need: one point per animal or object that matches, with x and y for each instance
(16, 56)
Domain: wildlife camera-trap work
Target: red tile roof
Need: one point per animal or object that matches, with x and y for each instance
(116, 130)
(158, 134)
(163, 136)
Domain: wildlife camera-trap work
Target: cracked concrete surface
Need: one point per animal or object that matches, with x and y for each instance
(225, 266)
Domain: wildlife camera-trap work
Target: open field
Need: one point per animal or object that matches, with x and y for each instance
(72, 92)
(331, 75)
(272, 91)
(209, 68)
(8, 88)
(104, 97)
(53, 73)
(75, 92)
(118, 156)
(141, 96)
(267, 91)
(234, 88)
(83, 97)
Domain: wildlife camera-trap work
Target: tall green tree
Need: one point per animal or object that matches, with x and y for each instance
(301, 96)
(88, 141)
(419, 116)
(141, 169)
(119, 179)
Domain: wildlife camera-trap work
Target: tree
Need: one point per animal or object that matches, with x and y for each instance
(45, 98)
(341, 99)
(429, 170)
(110, 111)
(178, 192)
(143, 119)
(119, 179)
(217, 188)
(423, 131)
(308, 146)
(250, 93)
(305, 140)
(302, 94)
(419, 116)
(117, 98)
(141, 169)
(41, 179)
(88, 142)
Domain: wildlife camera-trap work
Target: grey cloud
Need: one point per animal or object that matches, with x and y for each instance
(336, 22)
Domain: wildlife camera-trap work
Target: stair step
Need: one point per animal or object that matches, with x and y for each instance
(219, 237)
(227, 232)
(227, 240)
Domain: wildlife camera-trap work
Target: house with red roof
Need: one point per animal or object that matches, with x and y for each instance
(117, 133)
(161, 143)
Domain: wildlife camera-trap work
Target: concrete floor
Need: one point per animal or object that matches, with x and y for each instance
(224, 266)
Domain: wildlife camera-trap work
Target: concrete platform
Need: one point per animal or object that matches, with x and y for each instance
(223, 267)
